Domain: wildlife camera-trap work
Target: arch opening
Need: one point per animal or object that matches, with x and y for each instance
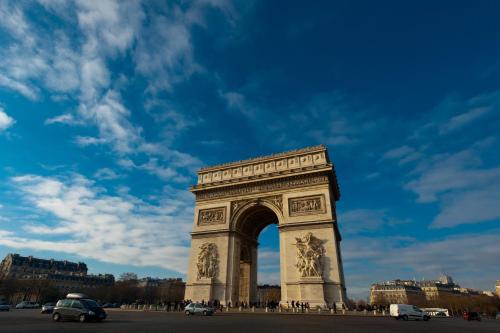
(249, 226)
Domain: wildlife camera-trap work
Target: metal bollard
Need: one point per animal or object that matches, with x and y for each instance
(227, 308)
(331, 311)
(319, 310)
(383, 312)
(267, 308)
(240, 308)
(253, 308)
(307, 310)
(365, 311)
(374, 312)
(343, 311)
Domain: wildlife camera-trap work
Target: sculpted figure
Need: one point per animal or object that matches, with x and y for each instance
(207, 261)
(310, 252)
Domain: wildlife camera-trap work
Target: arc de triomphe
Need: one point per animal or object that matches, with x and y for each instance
(296, 190)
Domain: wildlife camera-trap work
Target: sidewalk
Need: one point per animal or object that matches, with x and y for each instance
(261, 311)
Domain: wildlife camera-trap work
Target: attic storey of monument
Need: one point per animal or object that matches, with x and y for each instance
(296, 190)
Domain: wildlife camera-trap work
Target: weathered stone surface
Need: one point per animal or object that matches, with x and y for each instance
(297, 190)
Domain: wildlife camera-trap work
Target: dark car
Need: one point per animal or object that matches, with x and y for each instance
(48, 308)
(82, 309)
(4, 306)
(469, 315)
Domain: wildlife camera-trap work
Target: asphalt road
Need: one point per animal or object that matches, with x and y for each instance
(150, 322)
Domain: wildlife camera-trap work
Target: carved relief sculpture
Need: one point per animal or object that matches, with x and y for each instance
(208, 261)
(310, 252)
(306, 205)
(212, 216)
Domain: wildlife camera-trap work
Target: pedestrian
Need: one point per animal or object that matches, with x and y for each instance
(293, 304)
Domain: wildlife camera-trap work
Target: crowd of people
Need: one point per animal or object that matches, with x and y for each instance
(272, 306)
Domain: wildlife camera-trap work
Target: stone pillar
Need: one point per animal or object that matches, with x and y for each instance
(311, 291)
(204, 289)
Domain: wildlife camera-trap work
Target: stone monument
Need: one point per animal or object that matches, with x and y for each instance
(297, 190)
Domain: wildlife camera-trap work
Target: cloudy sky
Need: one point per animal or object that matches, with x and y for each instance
(108, 108)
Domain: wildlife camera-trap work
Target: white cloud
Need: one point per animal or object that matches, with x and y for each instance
(398, 152)
(469, 207)
(404, 154)
(463, 119)
(368, 260)
(5, 120)
(269, 266)
(66, 118)
(367, 220)
(105, 227)
(442, 173)
(106, 174)
(18, 86)
(12, 18)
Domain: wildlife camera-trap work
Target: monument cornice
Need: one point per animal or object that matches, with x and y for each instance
(291, 180)
(260, 159)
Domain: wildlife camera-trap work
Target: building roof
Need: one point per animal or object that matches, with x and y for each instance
(50, 264)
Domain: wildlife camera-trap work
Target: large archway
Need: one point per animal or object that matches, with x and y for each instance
(297, 191)
(248, 225)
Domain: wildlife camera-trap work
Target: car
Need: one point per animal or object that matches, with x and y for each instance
(4, 306)
(406, 312)
(471, 315)
(497, 316)
(27, 305)
(81, 309)
(198, 308)
(48, 308)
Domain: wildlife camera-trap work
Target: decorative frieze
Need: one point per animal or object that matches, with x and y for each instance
(265, 166)
(262, 187)
(307, 205)
(212, 216)
(276, 200)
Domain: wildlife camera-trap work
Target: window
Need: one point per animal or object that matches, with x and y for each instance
(77, 305)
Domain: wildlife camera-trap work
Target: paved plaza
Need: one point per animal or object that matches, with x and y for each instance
(150, 322)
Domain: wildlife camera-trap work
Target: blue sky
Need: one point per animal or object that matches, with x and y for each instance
(107, 110)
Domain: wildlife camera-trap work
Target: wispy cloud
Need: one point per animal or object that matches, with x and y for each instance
(5, 120)
(368, 259)
(463, 119)
(110, 228)
(367, 220)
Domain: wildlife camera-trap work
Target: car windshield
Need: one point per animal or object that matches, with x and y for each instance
(88, 303)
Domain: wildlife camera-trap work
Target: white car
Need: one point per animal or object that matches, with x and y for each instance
(407, 312)
(27, 305)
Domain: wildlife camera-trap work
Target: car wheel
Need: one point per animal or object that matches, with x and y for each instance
(187, 313)
(426, 318)
(56, 316)
(204, 313)
(82, 318)
(405, 317)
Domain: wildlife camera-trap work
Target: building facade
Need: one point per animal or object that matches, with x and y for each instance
(497, 288)
(394, 293)
(65, 275)
(268, 293)
(417, 292)
(297, 190)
